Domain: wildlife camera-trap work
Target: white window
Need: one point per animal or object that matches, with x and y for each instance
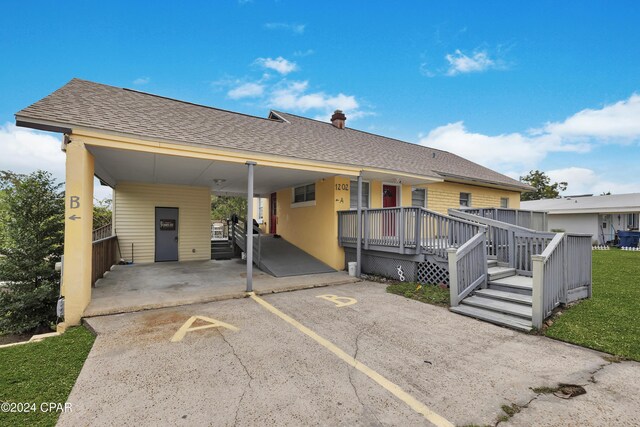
(419, 197)
(260, 211)
(465, 200)
(504, 202)
(353, 195)
(632, 221)
(304, 193)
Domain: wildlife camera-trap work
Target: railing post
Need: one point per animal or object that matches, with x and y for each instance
(537, 293)
(565, 268)
(418, 230)
(401, 229)
(511, 250)
(339, 229)
(366, 228)
(453, 276)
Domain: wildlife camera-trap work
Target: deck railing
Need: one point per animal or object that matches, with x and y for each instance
(240, 239)
(561, 274)
(509, 244)
(104, 254)
(467, 268)
(102, 232)
(534, 220)
(409, 230)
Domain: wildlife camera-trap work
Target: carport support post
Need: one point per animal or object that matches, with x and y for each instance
(78, 227)
(249, 226)
(359, 229)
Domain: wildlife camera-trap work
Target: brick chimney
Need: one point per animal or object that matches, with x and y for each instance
(338, 119)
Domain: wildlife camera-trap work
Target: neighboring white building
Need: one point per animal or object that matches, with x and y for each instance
(600, 216)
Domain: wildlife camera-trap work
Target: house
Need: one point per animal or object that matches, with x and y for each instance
(599, 216)
(334, 194)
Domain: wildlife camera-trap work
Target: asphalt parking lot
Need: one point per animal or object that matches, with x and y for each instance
(366, 358)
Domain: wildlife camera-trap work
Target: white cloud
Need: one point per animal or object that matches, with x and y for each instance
(294, 28)
(303, 53)
(587, 181)
(279, 64)
(619, 122)
(25, 151)
(141, 80)
(513, 151)
(459, 63)
(293, 96)
(246, 90)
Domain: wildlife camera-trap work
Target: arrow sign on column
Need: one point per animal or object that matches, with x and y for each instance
(74, 217)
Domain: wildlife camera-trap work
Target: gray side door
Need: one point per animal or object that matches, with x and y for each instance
(166, 234)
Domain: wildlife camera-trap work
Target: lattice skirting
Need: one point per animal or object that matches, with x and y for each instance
(426, 272)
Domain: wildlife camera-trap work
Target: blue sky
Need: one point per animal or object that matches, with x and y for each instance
(512, 85)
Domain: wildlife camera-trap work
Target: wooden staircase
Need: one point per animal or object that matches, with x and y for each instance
(222, 249)
(506, 301)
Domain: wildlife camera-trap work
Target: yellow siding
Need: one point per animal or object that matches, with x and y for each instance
(442, 196)
(134, 212)
(314, 229)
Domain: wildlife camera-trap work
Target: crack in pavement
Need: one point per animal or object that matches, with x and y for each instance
(351, 369)
(590, 381)
(247, 386)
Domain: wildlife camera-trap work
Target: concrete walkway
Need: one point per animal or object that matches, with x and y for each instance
(129, 288)
(262, 369)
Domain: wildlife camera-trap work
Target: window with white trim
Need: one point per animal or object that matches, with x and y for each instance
(304, 193)
(504, 202)
(632, 221)
(465, 200)
(353, 195)
(419, 197)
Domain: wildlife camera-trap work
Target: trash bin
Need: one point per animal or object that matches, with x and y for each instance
(628, 239)
(352, 268)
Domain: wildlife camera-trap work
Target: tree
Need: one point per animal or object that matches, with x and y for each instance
(544, 188)
(222, 207)
(32, 211)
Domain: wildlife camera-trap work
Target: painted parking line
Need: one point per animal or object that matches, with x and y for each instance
(391, 387)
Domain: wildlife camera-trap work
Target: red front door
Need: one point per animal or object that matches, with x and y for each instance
(389, 200)
(273, 216)
(389, 196)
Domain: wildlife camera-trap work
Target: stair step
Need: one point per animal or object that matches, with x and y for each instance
(505, 296)
(501, 319)
(499, 306)
(515, 284)
(496, 273)
(492, 263)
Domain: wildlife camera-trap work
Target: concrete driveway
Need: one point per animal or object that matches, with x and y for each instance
(297, 359)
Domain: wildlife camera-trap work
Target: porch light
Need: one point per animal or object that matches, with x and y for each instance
(218, 182)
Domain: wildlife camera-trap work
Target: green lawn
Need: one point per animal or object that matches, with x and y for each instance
(430, 294)
(610, 320)
(42, 372)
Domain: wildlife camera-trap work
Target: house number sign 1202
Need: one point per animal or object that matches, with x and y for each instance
(343, 187)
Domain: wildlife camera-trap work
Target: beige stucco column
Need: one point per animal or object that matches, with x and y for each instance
(78, 227)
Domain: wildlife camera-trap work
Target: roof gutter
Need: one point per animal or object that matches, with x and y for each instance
(42, 125)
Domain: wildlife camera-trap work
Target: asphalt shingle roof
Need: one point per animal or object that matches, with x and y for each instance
(587, 204)
(86, 104)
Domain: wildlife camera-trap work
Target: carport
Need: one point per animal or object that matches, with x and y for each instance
(130, 288)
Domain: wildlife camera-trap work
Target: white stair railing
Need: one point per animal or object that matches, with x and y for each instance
(467, 268)
(561, 274)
